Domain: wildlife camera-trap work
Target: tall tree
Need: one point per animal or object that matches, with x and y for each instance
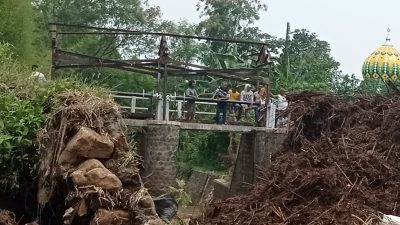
(231, 19)
(311, 64)
(17, 27)
(128, 14)
(228, 18)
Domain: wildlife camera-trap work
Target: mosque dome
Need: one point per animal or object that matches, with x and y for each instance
(383, 64)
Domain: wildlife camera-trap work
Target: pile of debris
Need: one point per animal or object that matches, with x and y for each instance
(340, 165)
(7, 218)
(86, 156)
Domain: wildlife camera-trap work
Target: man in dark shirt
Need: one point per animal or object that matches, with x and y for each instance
(221, 94)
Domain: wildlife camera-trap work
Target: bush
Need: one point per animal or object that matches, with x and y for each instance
(203, 150)
(23, 112)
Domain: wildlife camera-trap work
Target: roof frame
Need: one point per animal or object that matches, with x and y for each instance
(160, 67)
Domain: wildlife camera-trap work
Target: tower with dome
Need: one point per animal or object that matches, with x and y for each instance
(383, 63)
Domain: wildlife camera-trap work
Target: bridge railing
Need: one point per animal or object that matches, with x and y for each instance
(175, 105)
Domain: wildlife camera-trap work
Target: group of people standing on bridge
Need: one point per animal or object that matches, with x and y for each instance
(239, 103)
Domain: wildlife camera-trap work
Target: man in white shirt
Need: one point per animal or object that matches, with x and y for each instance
(36, 75)
(282, 102)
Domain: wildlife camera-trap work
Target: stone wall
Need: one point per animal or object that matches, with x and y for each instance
(274, 143)
(200, 186)
(255, 151)
(159, 155)
(243, 172)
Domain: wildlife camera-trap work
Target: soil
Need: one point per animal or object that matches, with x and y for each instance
(340, 165)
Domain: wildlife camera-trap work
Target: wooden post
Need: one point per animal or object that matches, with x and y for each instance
(53, 31)
(165, 93)
(267, 104)
(286, 53)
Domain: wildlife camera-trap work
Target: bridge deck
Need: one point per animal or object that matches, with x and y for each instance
(199, 126)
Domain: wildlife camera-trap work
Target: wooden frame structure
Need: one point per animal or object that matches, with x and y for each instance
(161, 67)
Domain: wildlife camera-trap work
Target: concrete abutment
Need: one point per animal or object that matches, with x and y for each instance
(159, 157)
(160, 146)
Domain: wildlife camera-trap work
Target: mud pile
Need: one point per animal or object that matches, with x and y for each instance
(340, 165)
(87, 167)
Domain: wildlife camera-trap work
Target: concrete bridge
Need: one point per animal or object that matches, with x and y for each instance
(161, 140)
(161, 114)
(150, 106)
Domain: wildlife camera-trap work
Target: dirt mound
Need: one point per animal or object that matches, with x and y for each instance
(340, 166)
(7, 218)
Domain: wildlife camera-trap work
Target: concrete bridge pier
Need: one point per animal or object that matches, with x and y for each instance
(255, 151)
(159, 156)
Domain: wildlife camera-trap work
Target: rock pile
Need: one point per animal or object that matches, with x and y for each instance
(340, 165)
(86, 153)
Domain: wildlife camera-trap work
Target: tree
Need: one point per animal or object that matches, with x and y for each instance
(344, 85)
(128, 14)
(311, 65)
(231, 19)
(228, 18)
(17, 27)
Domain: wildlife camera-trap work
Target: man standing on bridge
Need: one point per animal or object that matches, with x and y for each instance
(221, 94)
(191, 93)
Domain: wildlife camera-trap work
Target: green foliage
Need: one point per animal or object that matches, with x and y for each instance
(130, 14)
(228, 18)
(22, 115)
(310, 63)
(17, 27)
(231, 19)
(345, 86)
(19, 122)
(371, 87)
(182, 197)
(203, 150)
(117, 80)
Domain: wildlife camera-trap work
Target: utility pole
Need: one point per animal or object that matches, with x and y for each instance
(286, 53)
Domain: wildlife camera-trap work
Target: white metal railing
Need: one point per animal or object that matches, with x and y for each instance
(177, 106)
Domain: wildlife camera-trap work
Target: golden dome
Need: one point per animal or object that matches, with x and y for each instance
(383, 64)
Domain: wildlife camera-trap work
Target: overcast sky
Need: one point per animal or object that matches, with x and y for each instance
(354, 28)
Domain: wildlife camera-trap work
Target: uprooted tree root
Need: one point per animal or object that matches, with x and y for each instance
(7, 218)
(71, 110)
(340, 165)
(114, 192)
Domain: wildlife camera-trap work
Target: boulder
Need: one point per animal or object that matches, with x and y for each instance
(89, 144)
(93, 172)
(108, 217)
(125, 166)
